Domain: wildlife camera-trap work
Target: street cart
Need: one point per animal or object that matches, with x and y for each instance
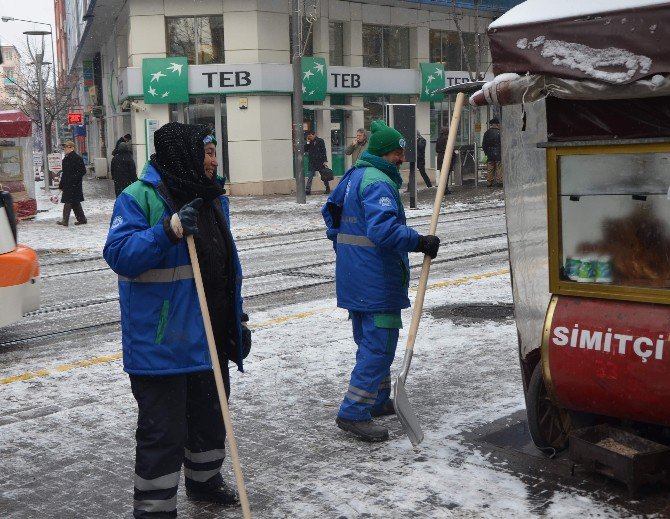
(584, 98)
(16, 161)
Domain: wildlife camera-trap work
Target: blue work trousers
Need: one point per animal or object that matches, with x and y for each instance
(376, 336)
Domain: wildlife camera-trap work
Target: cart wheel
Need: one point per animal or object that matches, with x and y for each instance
(549, 424)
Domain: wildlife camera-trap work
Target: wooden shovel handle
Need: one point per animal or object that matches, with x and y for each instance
(220, 389)
(425, 268)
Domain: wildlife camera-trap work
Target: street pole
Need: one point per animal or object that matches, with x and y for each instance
(412, 185)
(298, 133)
(56, 108)
(40, 58)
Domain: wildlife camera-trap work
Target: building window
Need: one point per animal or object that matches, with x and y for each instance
(336, 45)
(200, 39)
(307, 41)
(445, 48)
(385, 46)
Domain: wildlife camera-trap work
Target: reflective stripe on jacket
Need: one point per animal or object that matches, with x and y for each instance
(371, 242)
(162, 327)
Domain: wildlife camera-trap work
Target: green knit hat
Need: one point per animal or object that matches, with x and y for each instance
(383, 139)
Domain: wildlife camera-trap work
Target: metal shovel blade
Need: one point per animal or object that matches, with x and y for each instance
(405, 413)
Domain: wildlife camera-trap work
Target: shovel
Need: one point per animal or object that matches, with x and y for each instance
(234, 455)
(403, 408)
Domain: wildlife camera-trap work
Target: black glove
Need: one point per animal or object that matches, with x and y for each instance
(246, 337)
(188, 216)
(428, 244)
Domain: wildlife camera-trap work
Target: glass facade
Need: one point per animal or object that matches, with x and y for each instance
(385, 46)
(210, 111)
(445, 48)
(200, 39)
(307, 42)
(336, 40)
(375, 106)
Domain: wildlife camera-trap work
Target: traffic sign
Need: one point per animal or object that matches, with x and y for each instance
(55, 162)
(74, 118)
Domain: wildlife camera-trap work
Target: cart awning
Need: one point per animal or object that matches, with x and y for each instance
(616, 41)
(14, 123)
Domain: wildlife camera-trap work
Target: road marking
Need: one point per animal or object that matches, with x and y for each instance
(465, 280)
(265, 324)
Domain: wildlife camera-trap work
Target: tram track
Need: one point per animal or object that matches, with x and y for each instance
(317, 280)
(291, 269)
(244, 249)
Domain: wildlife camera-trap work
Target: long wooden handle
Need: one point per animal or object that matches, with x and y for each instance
(425, 268)
(220, 388)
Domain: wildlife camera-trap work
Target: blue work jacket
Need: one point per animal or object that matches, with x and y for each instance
(366, 221)
(162, 327)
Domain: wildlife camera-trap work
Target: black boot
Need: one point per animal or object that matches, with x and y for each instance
(366, 430)
(67, 208)
(386, 409)
(221, 495)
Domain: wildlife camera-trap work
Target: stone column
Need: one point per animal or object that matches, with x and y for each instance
(259, 137)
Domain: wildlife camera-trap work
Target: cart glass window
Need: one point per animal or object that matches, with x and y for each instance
(10, 165)
(612, 221)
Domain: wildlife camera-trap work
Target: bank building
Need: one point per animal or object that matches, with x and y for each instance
(227, 64)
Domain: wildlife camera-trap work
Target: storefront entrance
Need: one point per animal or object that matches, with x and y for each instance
(211, 111)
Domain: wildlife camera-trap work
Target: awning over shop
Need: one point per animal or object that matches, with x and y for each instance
(618, 43)
(14, 123)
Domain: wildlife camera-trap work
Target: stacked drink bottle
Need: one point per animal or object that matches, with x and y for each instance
(589, 269)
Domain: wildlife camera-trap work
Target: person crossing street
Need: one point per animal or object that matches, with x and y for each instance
(72, 177)
(366, 221)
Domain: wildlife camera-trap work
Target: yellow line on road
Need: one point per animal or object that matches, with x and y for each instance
(264, 324)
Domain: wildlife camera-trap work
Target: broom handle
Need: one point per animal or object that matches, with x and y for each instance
(425, 268)
(220, 389)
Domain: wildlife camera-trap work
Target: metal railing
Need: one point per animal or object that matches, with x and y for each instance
(484, 5)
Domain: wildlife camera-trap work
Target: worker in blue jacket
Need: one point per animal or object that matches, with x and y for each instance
(164, 343)
(366, 221)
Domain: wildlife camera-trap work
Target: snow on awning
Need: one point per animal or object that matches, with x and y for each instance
(14, 123)
(510, 89)
(616, 42)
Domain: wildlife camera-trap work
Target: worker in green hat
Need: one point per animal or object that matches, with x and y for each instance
(365, 219)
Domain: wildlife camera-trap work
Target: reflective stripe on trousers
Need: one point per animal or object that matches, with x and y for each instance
(159, 483)
(358, 395)
(157, 505)
(162, 275)
(353, 239)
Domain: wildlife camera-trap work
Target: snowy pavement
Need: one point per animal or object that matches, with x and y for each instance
(67, 426)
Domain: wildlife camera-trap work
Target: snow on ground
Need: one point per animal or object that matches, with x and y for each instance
(535, 11)
(67, 436)
(297, 463)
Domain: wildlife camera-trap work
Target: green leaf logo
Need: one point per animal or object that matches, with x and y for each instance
(165, 80)
(314, 79)
(433, 80)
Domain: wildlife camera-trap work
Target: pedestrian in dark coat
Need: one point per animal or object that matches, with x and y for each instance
(126, 138)
(124, 172)
(72, 176)
(421, 158)
(440, 148)
(317, 159)
(493, 149)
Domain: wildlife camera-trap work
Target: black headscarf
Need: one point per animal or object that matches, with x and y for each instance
(180, 158)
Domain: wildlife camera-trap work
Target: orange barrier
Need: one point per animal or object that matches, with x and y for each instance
(18, 267)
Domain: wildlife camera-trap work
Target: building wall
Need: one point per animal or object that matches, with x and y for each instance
(9, 94)
(256, 31)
